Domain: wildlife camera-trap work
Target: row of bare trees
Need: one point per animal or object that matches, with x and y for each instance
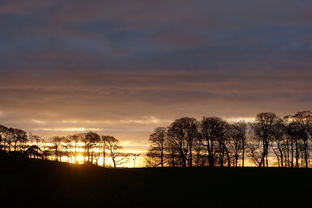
(91, 146)
(268, 141)
(107, 146)
(12, 139)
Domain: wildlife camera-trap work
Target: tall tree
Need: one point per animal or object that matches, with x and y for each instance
(184, 131)
(237, 140)
(200, 158)
(18, 136)
(300, 131)
(279, 142)
(104, 146)
(75, 139)
(172, 152)
(157, 148)
(4, 135)
(67, 145)
(57, 141)
(114, 149)
(214, 133)
(90, 139)
(263, 130)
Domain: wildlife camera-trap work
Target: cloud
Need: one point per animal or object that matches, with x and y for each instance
(127, 67)
(168, 35)
(131, 95)
(22, 7)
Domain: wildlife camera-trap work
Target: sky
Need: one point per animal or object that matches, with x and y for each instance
(125, 67)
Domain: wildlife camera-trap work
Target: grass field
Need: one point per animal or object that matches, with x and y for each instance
(50, 184)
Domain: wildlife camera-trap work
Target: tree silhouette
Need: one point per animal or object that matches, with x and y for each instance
(67, 145)
(214, 132)
(104, 146)
(279, 142)
(237, 138)
(300, 131)
(172, 151)
(75, 139)
(264, 130)
(113, 147)
(199, 150)
(17, 136)
(185, 143)
(183, 132)
(56, 141)
(4, 134)
(90, 139)
(157, 149)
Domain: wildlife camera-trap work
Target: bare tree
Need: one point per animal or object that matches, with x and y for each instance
(114, 149)
(263, 130)
(157, 148)
(200, 158)
(104, 147)
(214, 133)
(254, 151)
(237, 140)
(57, 141)
(172, 152)
(34, 139)
(299, 130)
(4, 135)
(184, 131)
(18, 136)
(279, 142)
(75, 139)
(90, 139)
(67, 145)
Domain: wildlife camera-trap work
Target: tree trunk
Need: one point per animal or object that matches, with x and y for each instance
(292, 154)
(162, 155)
(227, 156)
(297, 154)
(211, 160)
(236, 160)
(114, 161)
(104, 156)
(15, 146)
(76, 160)
(306, 154)
(243, 156)
(191, 155)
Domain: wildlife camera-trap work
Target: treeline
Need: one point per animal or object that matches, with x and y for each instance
(212, 141)
(90, 146)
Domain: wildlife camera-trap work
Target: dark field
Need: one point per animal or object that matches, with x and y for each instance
(50, 184)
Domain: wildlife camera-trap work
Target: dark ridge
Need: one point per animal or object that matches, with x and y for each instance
(51, 184)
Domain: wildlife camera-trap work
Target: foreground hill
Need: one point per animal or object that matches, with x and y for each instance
(50, 184)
